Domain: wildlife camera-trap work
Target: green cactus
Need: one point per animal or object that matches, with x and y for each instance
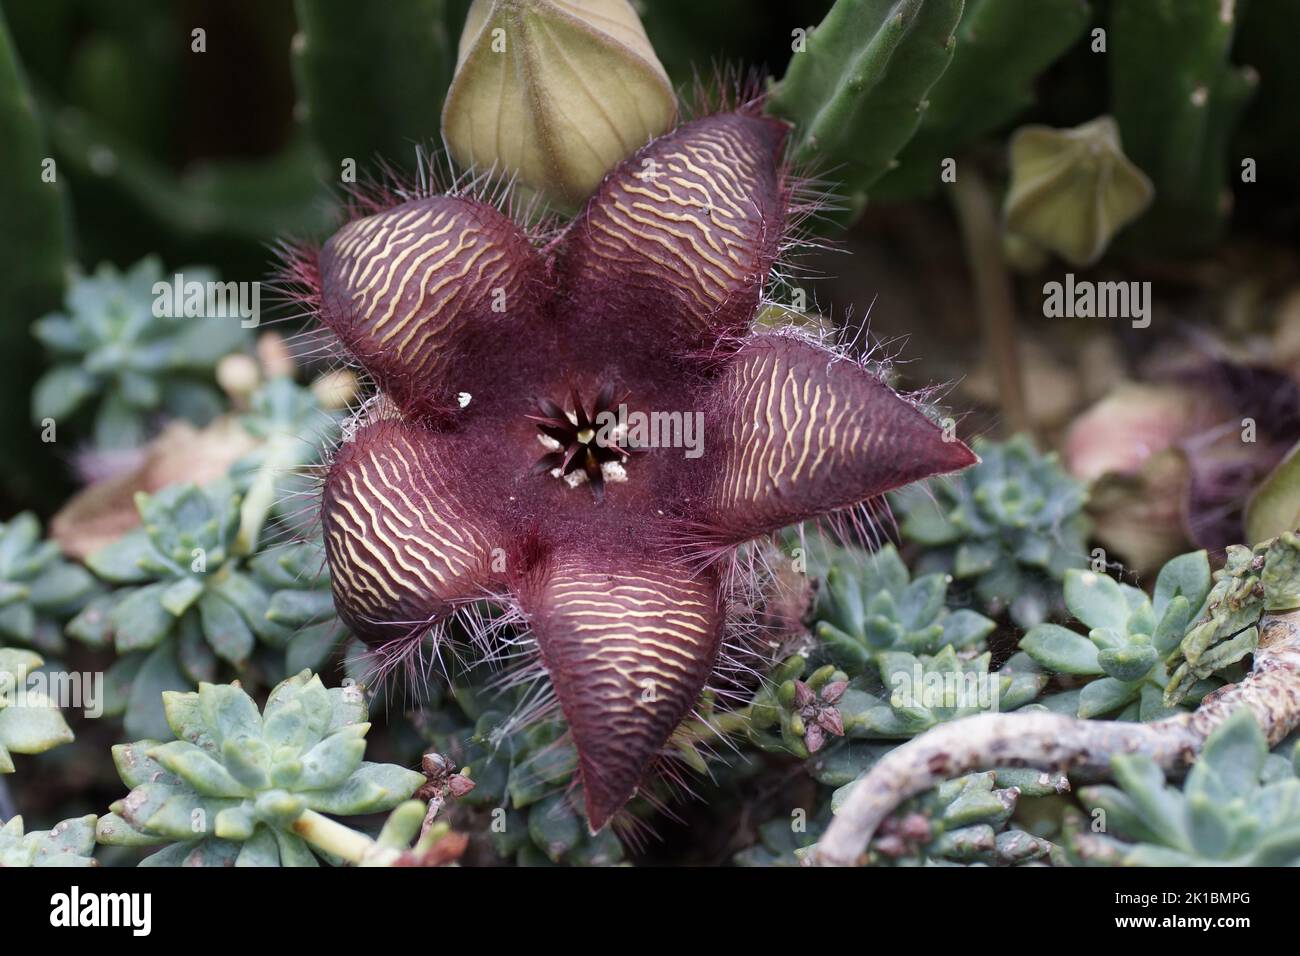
(238, 786)
(185, 604)
(1130, 637)
(1003, 46)
(1177, 98)
(863, 611)
(962, 822)
(70, 843)
(32, 259)
(1239, 806)
(1008, 528)
(857, 93)
(39, 589)
(1227, 627)
(110, 349)
(371, 80)
(30, 722)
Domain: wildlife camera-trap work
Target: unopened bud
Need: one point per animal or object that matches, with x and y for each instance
(556, 94)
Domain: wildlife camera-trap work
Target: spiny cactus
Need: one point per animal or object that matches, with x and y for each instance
(1239, 806)
(1226, 629)
(869, 604)
(246, 787)
(1177, 97)
(1003, 46)
(39, 589)
(30, 722)
(857, 93)
(186, 602)
(70, 843)
(1008, 528)
(111, 349)
(1130, 637)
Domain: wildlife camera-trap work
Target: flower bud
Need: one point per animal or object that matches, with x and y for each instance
(1073, 189)
(555, 93)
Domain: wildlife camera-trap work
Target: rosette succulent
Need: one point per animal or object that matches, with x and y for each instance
(1009, 528)
(869, 604)
(248, 788)
(70, 843)
(30, 722)
(456, 485)
(1130, 637)
(300, 606)
(1239, 806)
(114, 347)
(185, 604)
(39, 590)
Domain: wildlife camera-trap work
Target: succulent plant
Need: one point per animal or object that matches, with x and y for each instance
(39, 589)
(30, 722)
(296, 577)
(869, 604)
(1129, 639)
(857, 93)
(110, 343)
(522, 778)
(1178, 98)
(185, 603)
(70, 843)
(1239, 806)
(901, 695)
(1002, 48)
(294, 431)
(556, 93)
(250, 788)
(1251, 582)
(962, 822)
(1008, 528)
(1072, 190)
(437, 497)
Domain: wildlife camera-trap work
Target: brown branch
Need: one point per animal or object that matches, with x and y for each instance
(1071, 745)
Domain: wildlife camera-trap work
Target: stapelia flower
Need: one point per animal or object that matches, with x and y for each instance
(493, 352)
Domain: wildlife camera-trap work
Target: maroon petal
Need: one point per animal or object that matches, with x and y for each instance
(400, 544)
(415, 289)
(680, 237)
(798, 432)
(628, 644)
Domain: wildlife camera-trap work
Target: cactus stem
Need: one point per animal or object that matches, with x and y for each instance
(1054, 742)
(995, 303)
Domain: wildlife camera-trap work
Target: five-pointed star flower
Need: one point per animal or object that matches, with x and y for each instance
(494, 352)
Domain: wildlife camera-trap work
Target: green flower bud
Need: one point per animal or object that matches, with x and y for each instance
(1073, 189)
(555, 93)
